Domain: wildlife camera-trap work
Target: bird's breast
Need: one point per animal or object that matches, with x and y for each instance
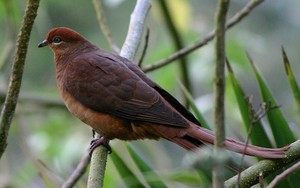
(105, 124)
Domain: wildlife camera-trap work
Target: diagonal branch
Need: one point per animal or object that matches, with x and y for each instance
(78, 172)
(12, 95)
(250, 176)
(103, 25)
(135, 29)
(284, 174)
(144, 48)
(239, 16)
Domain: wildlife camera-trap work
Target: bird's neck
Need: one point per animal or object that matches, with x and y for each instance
(72, 50)
(62, 59)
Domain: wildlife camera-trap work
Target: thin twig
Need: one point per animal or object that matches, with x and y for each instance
(44, 101)
(255, 117)
(12, 95)
(243, 155)
(103, 25)
(219, 105)
(284, 175)
(239, 16)
(46, 173)
(79, 171)
(261, 180)
(145, 47)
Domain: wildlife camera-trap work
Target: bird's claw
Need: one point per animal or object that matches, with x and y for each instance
(98, 142)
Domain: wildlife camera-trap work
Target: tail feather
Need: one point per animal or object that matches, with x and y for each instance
(184, 143)
(202, 134)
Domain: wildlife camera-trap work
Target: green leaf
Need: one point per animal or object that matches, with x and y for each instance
(193, 106)
(130, 179)
(190, 177)
(279, 126)
(291, 78)
(258, 134)
(155, 180)
(296, 93)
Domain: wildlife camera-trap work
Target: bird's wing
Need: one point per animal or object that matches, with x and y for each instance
(107, 85)
(166, 95)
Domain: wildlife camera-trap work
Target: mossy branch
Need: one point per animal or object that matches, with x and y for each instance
(219, 105)
(97, 167)
(250, 176)
(239, 16)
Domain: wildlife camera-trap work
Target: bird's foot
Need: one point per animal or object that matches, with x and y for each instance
(98, 142)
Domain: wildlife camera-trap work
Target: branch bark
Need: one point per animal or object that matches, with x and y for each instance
(220, 50)
(135, 29)
(97, 167)
(15, 81)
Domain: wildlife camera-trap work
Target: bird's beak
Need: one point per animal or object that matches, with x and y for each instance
(43, 43)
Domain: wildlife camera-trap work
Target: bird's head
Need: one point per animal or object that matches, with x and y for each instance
(63, 40)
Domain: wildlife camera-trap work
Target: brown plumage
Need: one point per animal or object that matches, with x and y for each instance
(114, 97)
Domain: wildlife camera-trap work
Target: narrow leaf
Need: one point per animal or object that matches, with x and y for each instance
(291, 77)
(145, 168)
(193, 106)
(279, 126)
(191, 178)
(258, 135)
(296, 93)
(130, 179)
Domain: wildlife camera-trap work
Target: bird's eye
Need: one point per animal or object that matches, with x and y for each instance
(57, 40)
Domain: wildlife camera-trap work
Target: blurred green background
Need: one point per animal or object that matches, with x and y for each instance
(47, 138)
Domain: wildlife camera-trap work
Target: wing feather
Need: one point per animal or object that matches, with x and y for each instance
(107, 85)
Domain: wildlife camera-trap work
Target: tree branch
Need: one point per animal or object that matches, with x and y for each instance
(78, 172)
(220, 53)
(239, 16)
(97, 167)
(99, 155)
(11, 99)
(250, 176)
(144, 48)
(44, 101)
(135, 29)
(103, 25)
(284, 175)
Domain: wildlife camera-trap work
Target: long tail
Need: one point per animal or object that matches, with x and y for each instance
(196, 135)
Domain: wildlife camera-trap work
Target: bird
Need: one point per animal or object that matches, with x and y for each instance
(118, 100)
